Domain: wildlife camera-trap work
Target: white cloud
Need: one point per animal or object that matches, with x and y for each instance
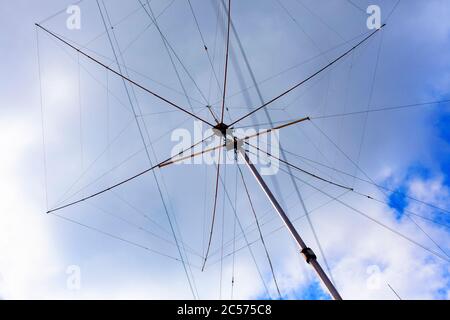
(28, 258)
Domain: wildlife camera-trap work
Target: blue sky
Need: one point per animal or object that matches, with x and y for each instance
(405, 150)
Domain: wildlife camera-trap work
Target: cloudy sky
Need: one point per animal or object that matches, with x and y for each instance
(68, 129)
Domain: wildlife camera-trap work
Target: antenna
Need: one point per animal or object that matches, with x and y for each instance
(228, 140)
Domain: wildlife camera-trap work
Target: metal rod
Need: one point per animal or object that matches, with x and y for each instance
(308, 78)
(122, 76)
(307, 252)
(226, 62)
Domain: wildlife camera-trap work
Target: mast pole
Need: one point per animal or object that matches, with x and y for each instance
(307, 252)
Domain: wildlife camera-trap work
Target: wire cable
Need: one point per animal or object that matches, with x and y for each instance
(124, 77)
(214, 212)
(226, 62)
(260, 234)
(308, 78)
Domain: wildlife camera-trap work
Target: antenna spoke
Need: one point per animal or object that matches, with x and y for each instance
(123, 76)
(308, 78)
(276, 128)
(173, 161)
(300, 169)
(123, 181)
(353, 190)
(214, 212)
(226, 61)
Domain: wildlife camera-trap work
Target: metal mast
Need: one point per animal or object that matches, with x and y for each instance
(307, 252)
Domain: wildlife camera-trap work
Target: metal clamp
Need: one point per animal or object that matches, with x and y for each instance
(309, 255)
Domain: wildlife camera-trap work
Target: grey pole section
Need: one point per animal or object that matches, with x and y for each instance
(308, 253)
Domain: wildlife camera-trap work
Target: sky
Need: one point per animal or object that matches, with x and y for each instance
(68, 130)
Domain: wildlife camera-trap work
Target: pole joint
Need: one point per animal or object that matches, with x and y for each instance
(309, 255)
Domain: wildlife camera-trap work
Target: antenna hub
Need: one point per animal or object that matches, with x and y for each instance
(222, 128)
